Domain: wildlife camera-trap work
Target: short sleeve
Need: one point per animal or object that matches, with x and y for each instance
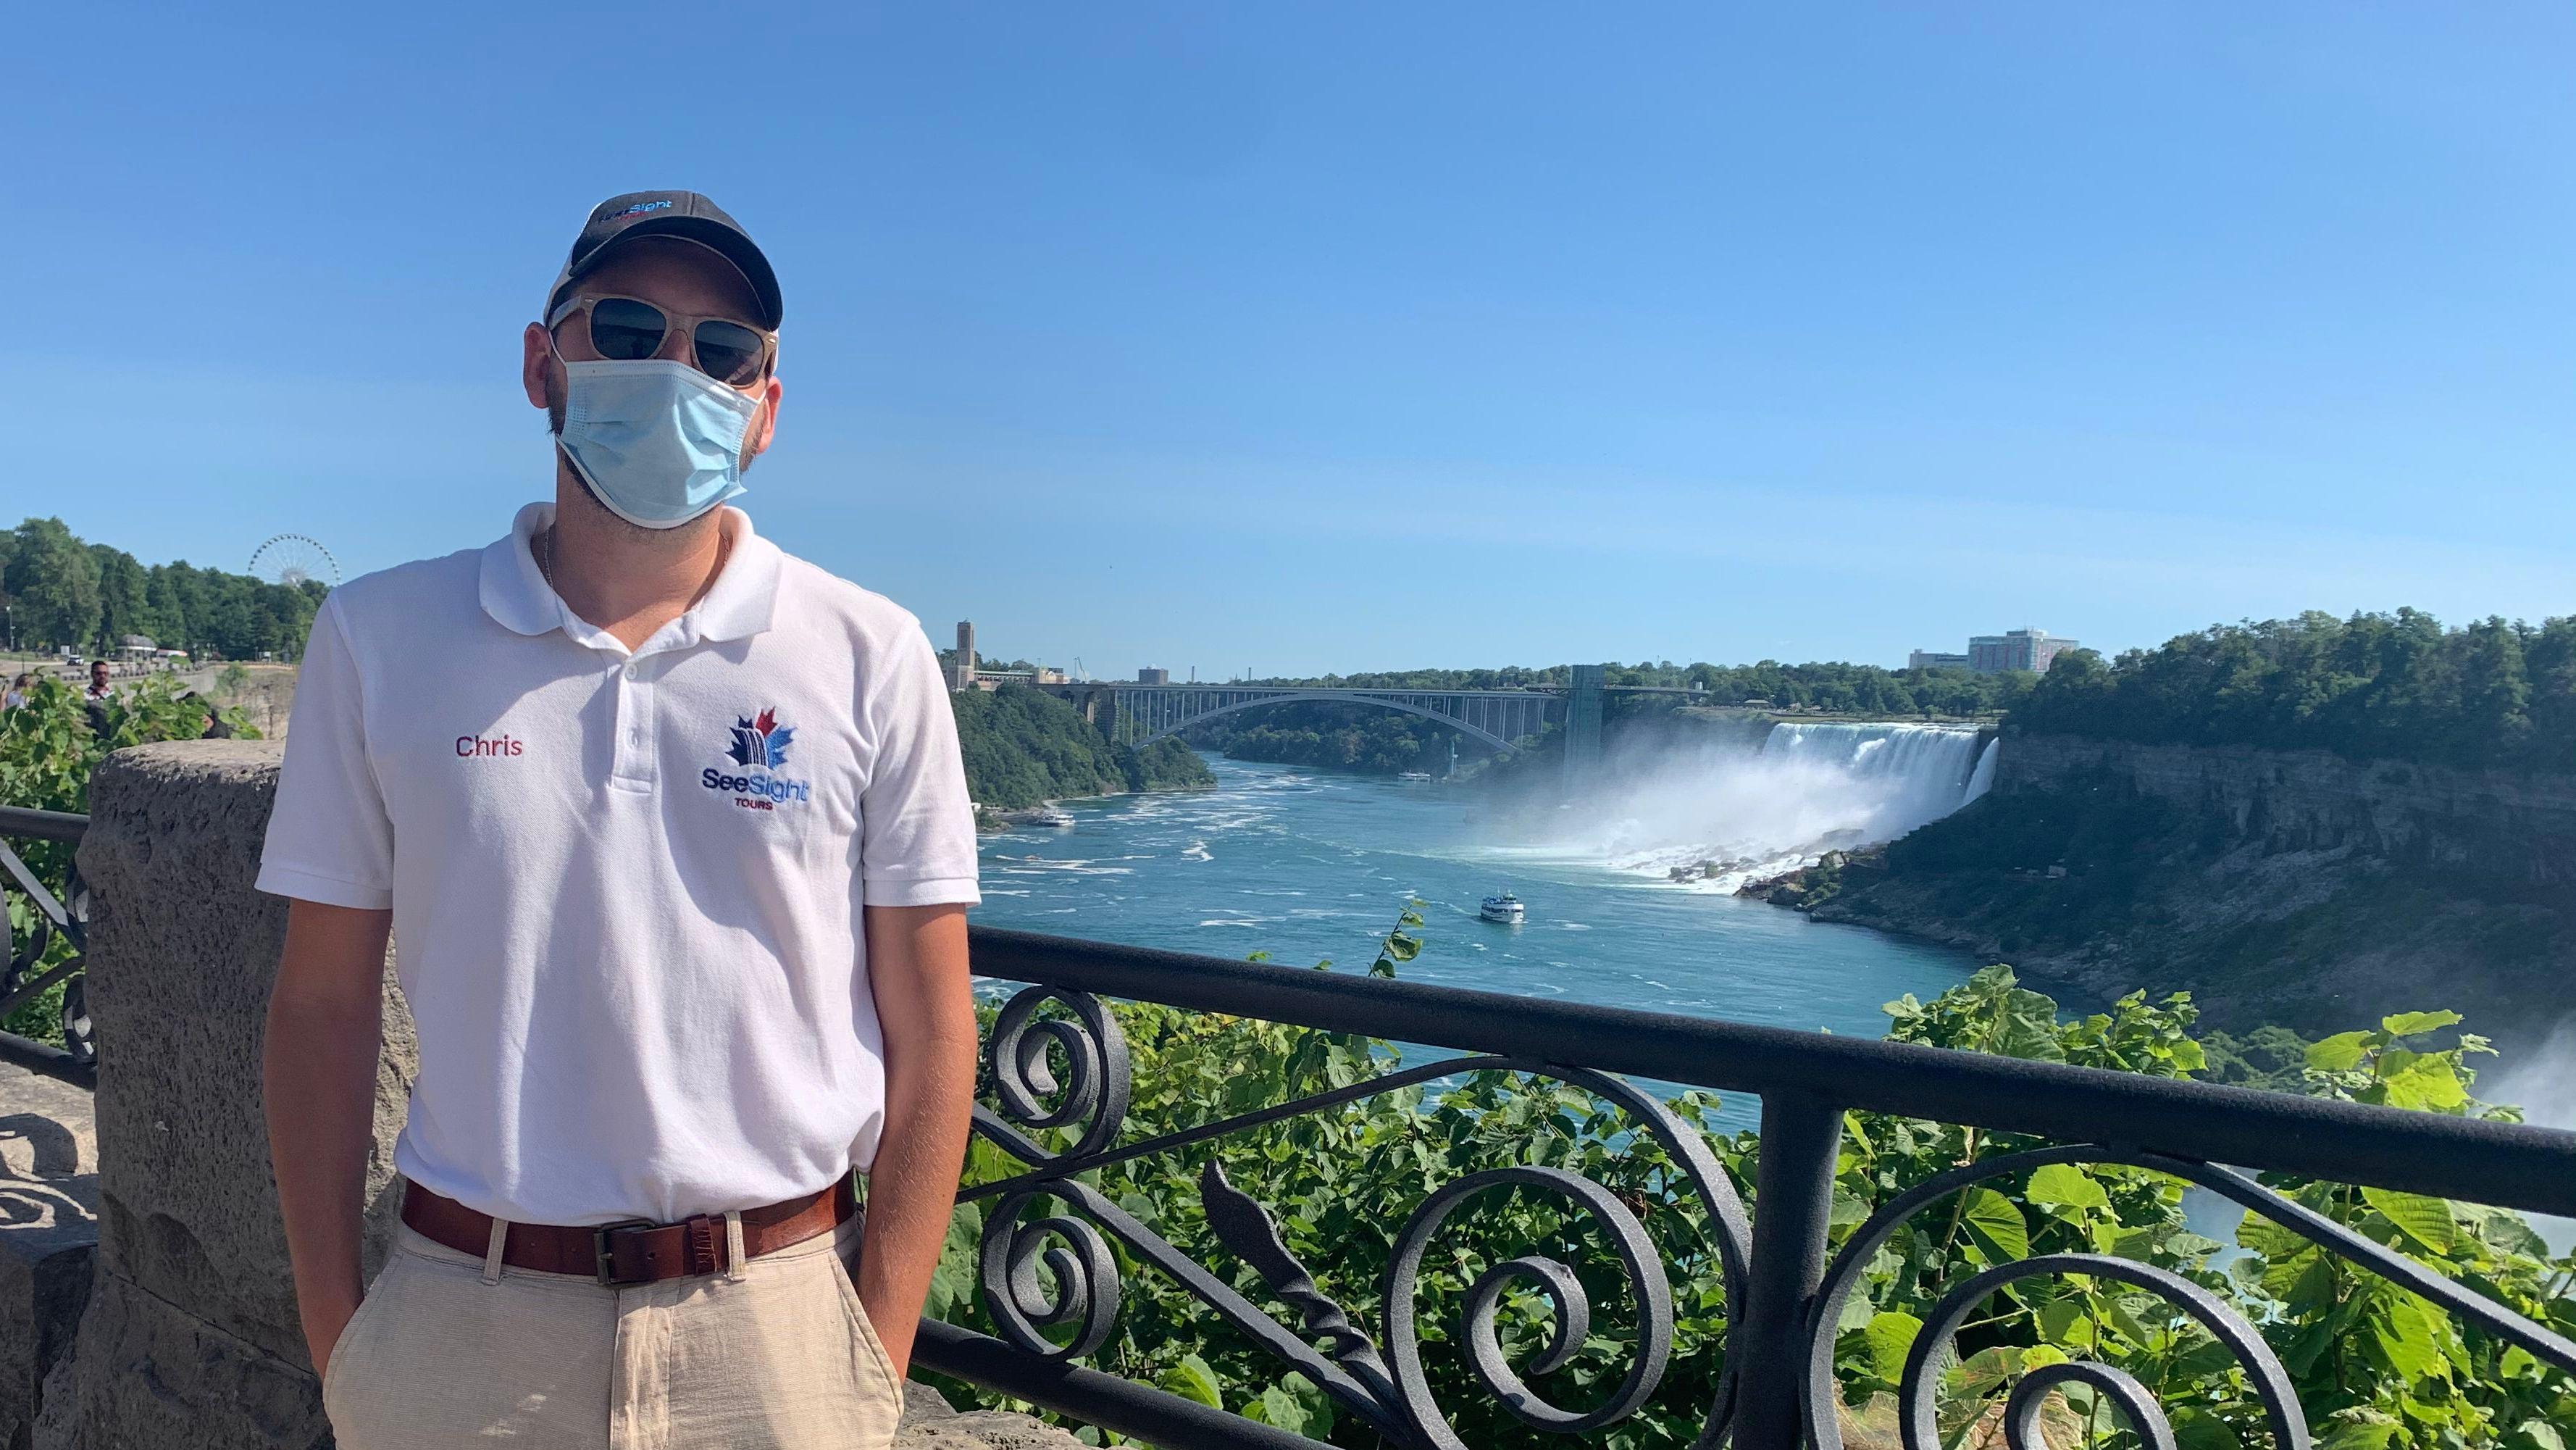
(329, 839)
(917, 831)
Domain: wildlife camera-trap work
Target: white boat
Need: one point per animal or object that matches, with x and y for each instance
(1413, 775)
(1050, 816)
(1505, 908)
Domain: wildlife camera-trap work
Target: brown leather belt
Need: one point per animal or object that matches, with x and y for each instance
(634, 1252)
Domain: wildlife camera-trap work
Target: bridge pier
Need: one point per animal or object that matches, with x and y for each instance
(1583, 729)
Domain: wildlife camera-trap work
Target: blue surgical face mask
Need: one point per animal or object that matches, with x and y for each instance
(659, 442)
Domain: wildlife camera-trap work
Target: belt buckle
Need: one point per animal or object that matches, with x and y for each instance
(604, 1259)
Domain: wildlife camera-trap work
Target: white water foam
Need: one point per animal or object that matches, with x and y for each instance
(1813, 786)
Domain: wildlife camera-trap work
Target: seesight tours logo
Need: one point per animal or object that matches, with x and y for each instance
(759, 746)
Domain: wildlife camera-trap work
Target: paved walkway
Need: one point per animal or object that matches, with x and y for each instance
(48, 1234)
(48, 1164)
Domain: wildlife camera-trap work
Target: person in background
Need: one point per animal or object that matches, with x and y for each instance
(672, 829)
(96, 699)
(16, 694)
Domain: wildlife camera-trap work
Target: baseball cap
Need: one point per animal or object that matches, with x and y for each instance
(667, 214)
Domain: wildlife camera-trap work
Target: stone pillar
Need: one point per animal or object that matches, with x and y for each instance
(191, 1336)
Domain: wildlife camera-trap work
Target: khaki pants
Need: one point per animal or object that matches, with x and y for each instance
(448, 1352)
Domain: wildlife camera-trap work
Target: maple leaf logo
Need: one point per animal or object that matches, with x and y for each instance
(760, 742)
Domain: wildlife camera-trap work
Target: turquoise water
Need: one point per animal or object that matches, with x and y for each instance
(1309, 865)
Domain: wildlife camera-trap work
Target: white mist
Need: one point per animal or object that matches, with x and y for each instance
(1810, 787)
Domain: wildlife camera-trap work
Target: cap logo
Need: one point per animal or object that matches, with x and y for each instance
(641, 207)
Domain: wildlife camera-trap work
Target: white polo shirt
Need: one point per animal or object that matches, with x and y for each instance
(626, 888)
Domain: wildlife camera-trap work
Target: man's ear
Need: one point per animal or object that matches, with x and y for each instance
(537, 365)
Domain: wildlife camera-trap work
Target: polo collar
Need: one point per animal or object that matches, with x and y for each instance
(742, 602)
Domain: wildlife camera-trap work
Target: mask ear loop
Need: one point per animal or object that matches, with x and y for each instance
(555, 429)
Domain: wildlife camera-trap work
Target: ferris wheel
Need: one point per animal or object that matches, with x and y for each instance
(292, 559)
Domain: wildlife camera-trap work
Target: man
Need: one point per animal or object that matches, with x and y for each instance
(97, 697)
(671, 833)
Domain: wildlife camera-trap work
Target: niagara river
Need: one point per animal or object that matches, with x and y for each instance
(1308, 865)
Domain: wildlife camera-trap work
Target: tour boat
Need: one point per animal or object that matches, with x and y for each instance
(1505, 908)
(1416, 775)
(1050, 816)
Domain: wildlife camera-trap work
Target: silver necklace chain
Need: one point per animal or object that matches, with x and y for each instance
(544, 554)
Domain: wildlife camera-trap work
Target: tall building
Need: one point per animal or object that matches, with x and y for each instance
(962, 668)
(1924, 659)
(1153, 675)
(2016, 649)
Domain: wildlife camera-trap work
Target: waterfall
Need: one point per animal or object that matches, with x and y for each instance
(1982, 779)
(1924, 772)
(1752, 810)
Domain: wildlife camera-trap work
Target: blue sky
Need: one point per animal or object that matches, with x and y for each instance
(1307, 337)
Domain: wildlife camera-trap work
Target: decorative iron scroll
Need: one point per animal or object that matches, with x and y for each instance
(1573, 1311)
(2269, 1382)
(1095, 1084)
(65, 917)
(2289, 1427)
(1086, 1281)
(1388, 1389)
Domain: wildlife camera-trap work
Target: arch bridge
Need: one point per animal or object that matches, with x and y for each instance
(1143, 714)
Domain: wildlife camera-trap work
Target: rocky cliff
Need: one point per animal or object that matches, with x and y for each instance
(2296, 888)
(2499, 824)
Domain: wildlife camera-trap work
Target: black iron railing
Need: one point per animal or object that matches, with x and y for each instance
(57, 922)
(1068, 1070)
(1056, 1064)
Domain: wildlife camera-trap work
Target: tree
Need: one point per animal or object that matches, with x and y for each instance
(2495, 693)
(89, 596)
(164, 591)
(2372, 687)
(55, 582)
(124, 604)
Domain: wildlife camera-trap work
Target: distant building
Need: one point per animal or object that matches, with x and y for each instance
(2016, 649)
(1153, 675)
(1924, 659)
(961, 670)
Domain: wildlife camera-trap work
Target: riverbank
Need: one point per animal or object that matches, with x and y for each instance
(2278, 888)
(1024, 749)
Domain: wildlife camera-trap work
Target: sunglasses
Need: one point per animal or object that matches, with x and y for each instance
(629, 329)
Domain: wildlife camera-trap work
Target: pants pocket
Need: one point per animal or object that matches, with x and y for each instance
(352, 1344)
(871, 1348)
